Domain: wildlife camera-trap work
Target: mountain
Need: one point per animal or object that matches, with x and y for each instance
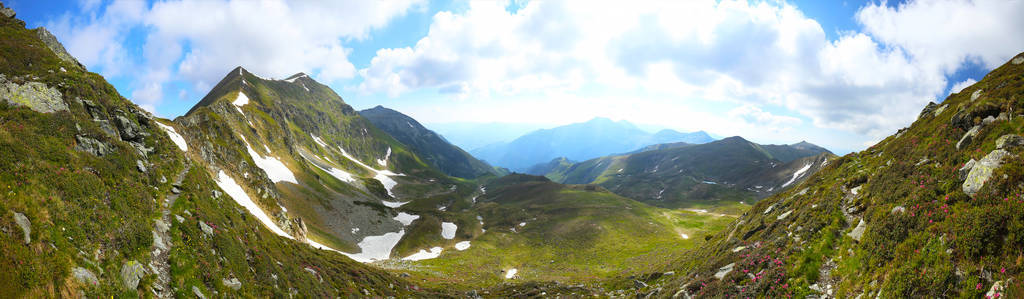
(318, 169)
(101, 199)
(428, 145)
(556, 165)
(683, 174)
(932, 211)
(580, 141)
(474, 135)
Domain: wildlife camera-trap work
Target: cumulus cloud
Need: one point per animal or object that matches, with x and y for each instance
(199, 41)
(756, 116)
(959, 86)
(746, 53)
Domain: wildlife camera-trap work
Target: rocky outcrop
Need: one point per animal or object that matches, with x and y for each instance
(982, 171)
(1009, 141)
(966, 169)
(6, 11)
(55, 46)
(232, 283)
(131, 273)
(205, 228)
(26, 226)
(34, 95)
(928, 109)
(968, 137)
(858, 231)
(92, 146)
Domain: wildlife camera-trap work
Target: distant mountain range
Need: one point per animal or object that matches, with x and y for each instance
(426, 144)
(580, 141)
(673, 174)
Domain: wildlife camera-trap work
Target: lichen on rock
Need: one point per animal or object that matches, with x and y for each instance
(34, 95)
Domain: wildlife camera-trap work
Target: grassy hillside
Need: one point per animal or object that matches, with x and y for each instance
(908, 217)
(562, 233)
(98, 201)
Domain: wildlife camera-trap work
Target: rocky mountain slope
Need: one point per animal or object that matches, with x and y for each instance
(731, 169)
(101, 199)
(934, 211)
(429, 146)
(581, 141)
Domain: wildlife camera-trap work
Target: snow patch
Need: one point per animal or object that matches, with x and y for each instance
(393, 204)
(276, 171)
(375, 248)
(797, 174)
(384, 176)
(177, 139)
(405, 218)
(511, 273)
(384, 162)
(318, 140)
(241, 100)
(338, 174)
(424, 255)
(236, 192)
(448, 230)
(462, 245)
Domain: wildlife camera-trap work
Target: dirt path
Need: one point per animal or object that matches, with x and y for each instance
(162, 242)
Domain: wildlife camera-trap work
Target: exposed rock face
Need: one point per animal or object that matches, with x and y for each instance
(968, 137)
(131, 273)
(26, 226)
(198, 293)
(982, 171)
(928, 109)
(1009, 141)
(92, 146)
(1017, 60)
(976, 95)
(55, 46)
(724, 270)
(6, 11)
(84, 276)
(34, 95)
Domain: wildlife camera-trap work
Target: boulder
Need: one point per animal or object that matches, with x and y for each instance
(976, 94)
(198, 293)
(982, 171)
(140, 166)
(26, 226)
(1009, 141)
(988, 120)
(858, 231)
(232, 283)
(940, 109)
(1016, 60)
(34, 95)
(6, 11)
(724, 271)
(206, 228)
(968, 137)
(898, 209)
(965, 170)
(131, 273)
(130, 131)
(84, 276)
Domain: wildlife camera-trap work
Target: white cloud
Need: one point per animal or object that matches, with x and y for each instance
(199, 41)
(959, 86)
(755, 116)
(742, 54)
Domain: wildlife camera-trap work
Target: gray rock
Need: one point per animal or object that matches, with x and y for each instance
(6, 11)
(995, 290)
(141, 166)
(34, 95)
(206, 228)
(784, 215)
(232, 283)
(84, 276)
(92, 146)
(198, 293)
(858, 231)
(639, 284)
(988, 120)
(55, 46)
(179, 218)
(968, 137)
(898, 209)
(1009, 141)
(940, 109)
(982, 171)
(965, 170)
(724, 271)
(26, 226)
(976, 94)
(158, 241)
(130, 131)
(175, 190)
(131, 273)
(928, 109)
(1017, 60)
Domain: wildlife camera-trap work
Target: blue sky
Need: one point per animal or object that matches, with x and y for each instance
(842, 74)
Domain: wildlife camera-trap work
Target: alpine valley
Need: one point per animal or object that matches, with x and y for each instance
(279, 188)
